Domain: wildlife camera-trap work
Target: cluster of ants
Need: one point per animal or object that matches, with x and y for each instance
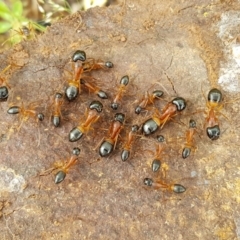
(108, 144)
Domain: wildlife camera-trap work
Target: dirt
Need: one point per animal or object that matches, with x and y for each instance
(171, 46)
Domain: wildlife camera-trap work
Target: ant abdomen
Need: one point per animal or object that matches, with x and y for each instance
(3, 93)
(59, 177)
(213, 132)
(105, 149)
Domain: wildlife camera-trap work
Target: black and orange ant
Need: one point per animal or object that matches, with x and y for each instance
(157, 162)
(108, 144)
(56, 114)
(213, 104)
(148, 99)
(128, 144)
(122, 88)
(177, 105)
(74, 86)
(24, 32)
(26, 113)
(64, 168)
(158, 184)
(94, 89)
(95, 108)
(189, 145)
(92, 64)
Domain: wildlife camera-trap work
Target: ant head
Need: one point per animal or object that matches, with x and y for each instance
(76, 151)
(138, 109)
(215, 95)
(109, 64)
(58, 95)
(160, 138)
(114, 106)
(40, 116)
(134, 128)
(192, 123)
(79, 55)
(96, 105)
(148, 181)
(124, 80)
(26, 31)
(120, 117)
(180, 103)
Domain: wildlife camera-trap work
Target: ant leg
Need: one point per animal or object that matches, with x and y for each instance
(90, 163)
(99, 144)
(47, 172)
(164, 122)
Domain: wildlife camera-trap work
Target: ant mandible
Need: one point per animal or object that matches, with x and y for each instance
(108, 144)
(189, 145)
(101, 94)
(95, 108)
(56, 114)
(61, 174)
(148, 99)
(177, 188)
(177, 105)
(74, 86)
(122, 88)
(213, 104)
(128, 145)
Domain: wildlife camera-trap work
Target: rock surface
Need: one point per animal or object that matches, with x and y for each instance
(184, 49)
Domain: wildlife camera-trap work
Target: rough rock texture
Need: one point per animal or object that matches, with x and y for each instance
(181, 48)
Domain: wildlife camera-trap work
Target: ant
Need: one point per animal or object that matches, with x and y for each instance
(74, 86)
(148, 99)
(22, 33)
(128, 145)
(188, 146)
(177, 188)
(150, 126)
(25, 113)
(213, 104)
(108, 144)
(94, 89)
(4, 85)
(92, 64)
(122, 88)
(61, 174)
(56, 115)
(95, 108)
(156, 163)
